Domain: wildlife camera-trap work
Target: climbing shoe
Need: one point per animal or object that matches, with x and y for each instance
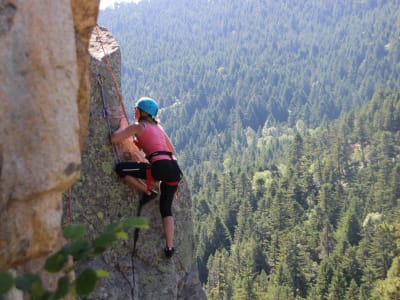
(146, 197)
(169, 251)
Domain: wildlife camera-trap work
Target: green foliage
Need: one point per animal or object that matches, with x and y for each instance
(286, 119)
(66, 260)
(322, 226)
(86, 282)
(7, 282)
(389, 288)
(221, 67)
(32, 284)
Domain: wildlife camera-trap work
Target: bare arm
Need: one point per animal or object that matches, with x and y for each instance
(125, 131)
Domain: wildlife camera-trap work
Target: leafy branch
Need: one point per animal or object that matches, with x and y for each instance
(80, 250)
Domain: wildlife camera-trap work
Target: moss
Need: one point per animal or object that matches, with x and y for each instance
(107, 167)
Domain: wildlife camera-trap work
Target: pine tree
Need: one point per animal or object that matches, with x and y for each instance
(327, 242)
(352, 291)
(217, 285)
(350, 266)
(260, 286)
(243, 274)
(324, 278)
(295, 261)
(381, 252)
(389, 288)
(337, 287)
(349, 230)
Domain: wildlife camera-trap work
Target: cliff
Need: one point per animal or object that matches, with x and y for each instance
(99, 198)
(45, 92)
(44, 97)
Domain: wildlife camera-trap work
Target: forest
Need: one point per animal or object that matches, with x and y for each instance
(286, 119)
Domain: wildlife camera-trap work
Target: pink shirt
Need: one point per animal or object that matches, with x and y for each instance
(153, 139)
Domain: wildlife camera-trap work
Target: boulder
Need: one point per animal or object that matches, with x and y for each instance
(44, 96)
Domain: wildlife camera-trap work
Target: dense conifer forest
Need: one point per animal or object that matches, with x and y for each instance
(286, 118)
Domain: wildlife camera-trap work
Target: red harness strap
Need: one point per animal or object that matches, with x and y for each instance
(150, 180)
(172, 183)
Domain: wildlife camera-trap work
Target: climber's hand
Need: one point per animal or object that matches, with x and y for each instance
(123, 123)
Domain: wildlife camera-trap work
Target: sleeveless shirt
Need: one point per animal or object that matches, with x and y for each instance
(153, 139)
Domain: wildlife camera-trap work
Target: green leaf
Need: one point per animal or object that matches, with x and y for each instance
(98, 249)
(103, 241)
(102, 274)
(136, 222)
(7, 282)
(79, 249)
(112, 228)
(122, 235)
(38, 292)
(26, 281)
(86, 282)
(55, 262)
(62, 287)
(74, 231)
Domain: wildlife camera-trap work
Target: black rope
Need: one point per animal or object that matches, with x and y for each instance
(136, 234)
(117, 160)
(135, 238)
(105, 116)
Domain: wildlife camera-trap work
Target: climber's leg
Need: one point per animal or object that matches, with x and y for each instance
(136, 183)
(168, 225)
(132, 172)
(166, 198)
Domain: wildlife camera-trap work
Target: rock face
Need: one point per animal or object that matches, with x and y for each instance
(44, 115)
(44, 97)
(100, 198)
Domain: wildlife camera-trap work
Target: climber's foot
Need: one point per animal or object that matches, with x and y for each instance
(169, 251)
(147, 197)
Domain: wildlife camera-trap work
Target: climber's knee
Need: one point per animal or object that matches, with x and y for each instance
(119, 169)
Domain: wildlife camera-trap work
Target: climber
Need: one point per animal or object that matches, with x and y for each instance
(162, 166)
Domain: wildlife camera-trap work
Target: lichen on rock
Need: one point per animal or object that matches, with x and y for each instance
(100, 198)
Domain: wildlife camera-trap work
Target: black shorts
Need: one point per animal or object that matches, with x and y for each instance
(164, 170)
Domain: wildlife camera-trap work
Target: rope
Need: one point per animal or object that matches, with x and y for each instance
(121, 102)
(119, 95)
(136, 234)
(105, 115)
(70, 205)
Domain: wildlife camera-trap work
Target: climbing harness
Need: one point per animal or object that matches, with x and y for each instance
(149, 178)
(149, 157)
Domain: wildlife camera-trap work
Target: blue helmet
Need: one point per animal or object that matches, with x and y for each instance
(148, 105)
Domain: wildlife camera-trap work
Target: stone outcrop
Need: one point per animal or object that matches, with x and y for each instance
(100, 198)
(44, 97)
(47, 143)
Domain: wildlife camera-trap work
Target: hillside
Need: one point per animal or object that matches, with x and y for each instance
(221, 65)
(286, 119)
(323, 224)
